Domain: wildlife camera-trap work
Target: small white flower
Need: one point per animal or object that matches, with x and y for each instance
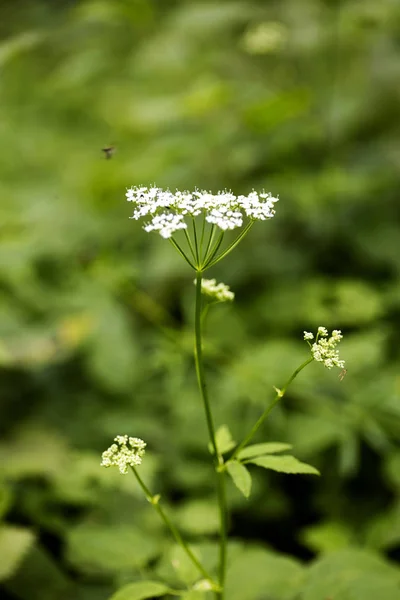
(166, 212)
(126, 452)
(218, 291)
(324, 348)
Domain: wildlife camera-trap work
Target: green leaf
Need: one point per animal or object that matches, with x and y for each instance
(266, 448)
(14, 544)
(5, 499)
(256, 573)
(112, 360)
(240, 476)
(383, 531)
(176, 565)
(179, 562)
(39, 577)
(35, 451)
(19, 44)
(327, 536)
(108, 548)
(194, 595)
(351, 574)
(141, 590)
(199, 517)
(284, 464)
(223, 439)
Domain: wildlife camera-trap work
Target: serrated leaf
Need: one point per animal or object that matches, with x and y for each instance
(261, 449)
(141, 590)
(14, 544)
(223, 439)
(284, 464)
(240, 476)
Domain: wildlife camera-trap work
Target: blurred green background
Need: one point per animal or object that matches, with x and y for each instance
(297, 97)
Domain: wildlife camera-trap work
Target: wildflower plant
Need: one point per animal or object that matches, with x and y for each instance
(197, 224)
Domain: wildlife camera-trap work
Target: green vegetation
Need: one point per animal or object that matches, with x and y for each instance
(297, 97)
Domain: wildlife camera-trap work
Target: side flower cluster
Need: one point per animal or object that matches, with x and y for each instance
(125, 452)
(323, 348)
(216, 291)
(165, 211)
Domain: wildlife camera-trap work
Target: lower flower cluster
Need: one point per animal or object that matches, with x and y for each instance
(324, 347)
(218, 291)
(124, 453)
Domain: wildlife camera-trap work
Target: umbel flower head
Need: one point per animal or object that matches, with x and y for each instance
(166, 212)
(217, 291)
(125, 452)
(199, 215)
(323, 348)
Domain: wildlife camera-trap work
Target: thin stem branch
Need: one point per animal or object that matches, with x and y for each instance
(155, 502)
(214, 261)
(196, 245)
(217, 458)
(213, 251)
(181, 252)
(203, 230)
(279, 394)
(210, 241)
(189, 242)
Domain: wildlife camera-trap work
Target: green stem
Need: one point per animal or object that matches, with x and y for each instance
(217, 458)
(189, 242)
(223, 516)
(154, 501)
(196, 245)
(279, 394)
(213, 261)
(203, 230)
(181, 252)
(213, 251)
(210, 241)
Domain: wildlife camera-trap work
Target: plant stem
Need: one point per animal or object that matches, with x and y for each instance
(279, 394)
(189, 243)
(213, 252)
(196, 245)
(214, 261)
(217, 458)
(181, 252)
(154, 500)
(203, 230)
(210, 241)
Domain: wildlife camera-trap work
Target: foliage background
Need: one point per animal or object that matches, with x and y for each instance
(299, 97)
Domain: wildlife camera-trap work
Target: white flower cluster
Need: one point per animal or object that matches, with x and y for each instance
(218, 291)
(324, 347)
(166, 211)
(126, 452)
